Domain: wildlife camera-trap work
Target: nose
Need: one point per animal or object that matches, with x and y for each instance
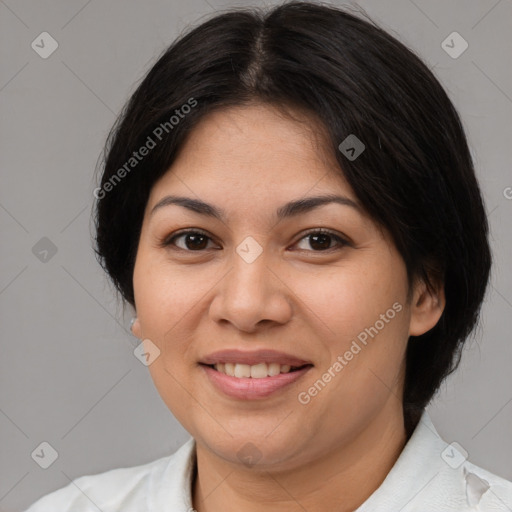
(252, 295)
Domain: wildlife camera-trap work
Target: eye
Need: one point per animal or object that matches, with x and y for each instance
(193, 240)
(320, 239)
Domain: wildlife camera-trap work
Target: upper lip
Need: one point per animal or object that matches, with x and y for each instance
(252, 357)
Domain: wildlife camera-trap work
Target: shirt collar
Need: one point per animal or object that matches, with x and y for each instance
(419, 463)
(170, 486)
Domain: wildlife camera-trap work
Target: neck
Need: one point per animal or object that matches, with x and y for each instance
(341, 479)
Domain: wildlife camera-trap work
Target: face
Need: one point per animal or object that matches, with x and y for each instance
(320, 288)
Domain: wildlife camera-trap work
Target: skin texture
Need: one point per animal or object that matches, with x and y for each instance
(296, 297)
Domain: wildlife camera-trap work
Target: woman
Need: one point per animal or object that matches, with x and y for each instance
(289, 204)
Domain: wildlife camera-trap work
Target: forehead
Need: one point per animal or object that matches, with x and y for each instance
(256, 149)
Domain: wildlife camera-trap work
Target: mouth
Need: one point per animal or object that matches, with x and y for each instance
(253, 382)
(257, 374)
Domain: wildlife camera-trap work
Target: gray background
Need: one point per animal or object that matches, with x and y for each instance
(68, 373)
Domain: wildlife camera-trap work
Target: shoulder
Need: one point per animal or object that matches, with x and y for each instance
(431, 474)
(454, 482)
(122, 489)
(490, 491)
(463, 489)
(101, 491)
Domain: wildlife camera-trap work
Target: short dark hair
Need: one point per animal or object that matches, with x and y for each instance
(415, 177)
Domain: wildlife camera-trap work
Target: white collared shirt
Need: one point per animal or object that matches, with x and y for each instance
(429, 476)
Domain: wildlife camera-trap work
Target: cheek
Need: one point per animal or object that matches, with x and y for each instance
(165, 304)
(162, 296)
(362, 321)
(170, 301)
(343, 302)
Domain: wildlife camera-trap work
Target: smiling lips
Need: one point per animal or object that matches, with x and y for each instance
(252, 375)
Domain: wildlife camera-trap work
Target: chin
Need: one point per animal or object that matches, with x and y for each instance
(258, 450)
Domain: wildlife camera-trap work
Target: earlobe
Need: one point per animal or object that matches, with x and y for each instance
(135, 327)
(426, 308)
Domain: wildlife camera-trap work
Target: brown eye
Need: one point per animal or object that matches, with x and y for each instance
(192, 241)
(321, 239)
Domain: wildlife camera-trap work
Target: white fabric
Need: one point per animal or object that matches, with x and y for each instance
(420, 481)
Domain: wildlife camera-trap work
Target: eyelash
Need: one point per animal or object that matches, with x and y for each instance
(169, 241)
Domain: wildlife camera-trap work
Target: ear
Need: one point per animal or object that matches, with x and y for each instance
(426, 307)
(136, 328)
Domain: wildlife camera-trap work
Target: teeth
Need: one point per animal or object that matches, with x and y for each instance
(256, 371)
(242, 370)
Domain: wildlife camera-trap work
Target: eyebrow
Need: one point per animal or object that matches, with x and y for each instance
(290, 209)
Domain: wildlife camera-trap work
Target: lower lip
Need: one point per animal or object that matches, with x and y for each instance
(247, 388)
